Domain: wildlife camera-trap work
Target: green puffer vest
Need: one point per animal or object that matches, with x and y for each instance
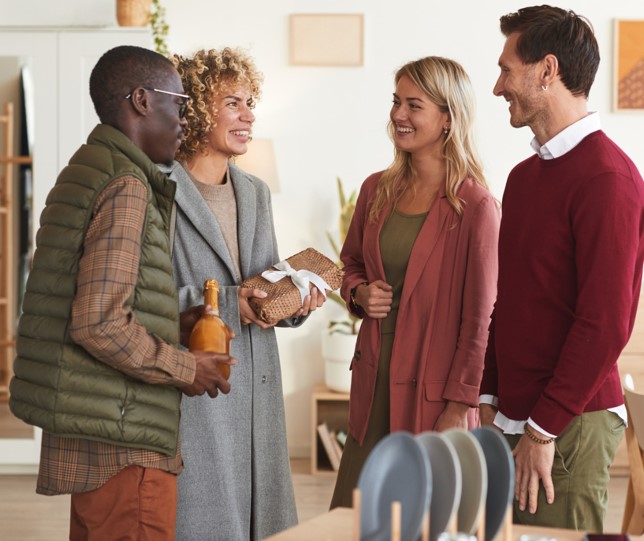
(59, 386)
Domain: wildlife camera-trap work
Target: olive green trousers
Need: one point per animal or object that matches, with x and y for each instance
(584, 452)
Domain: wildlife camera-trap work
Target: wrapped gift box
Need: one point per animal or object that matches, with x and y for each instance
(284, 298)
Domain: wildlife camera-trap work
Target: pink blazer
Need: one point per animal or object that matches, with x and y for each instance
(444, 313)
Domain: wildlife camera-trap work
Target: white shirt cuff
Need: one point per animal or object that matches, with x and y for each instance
(489, 399)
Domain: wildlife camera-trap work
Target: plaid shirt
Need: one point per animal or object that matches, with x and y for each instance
(106, 327)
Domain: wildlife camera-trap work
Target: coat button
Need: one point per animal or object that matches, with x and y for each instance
(264, 379)
(357, 354)
(414, 382)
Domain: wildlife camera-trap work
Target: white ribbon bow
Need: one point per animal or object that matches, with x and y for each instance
(301, 278)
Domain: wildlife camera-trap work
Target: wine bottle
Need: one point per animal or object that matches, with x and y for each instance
(210, 333)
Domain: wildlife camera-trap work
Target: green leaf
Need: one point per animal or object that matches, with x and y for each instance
(159, 27)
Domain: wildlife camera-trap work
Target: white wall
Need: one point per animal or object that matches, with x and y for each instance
(49, 13)
(328, 122)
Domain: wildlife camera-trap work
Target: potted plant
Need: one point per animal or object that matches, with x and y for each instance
(339, 338)
(142, 13)
(159, 27)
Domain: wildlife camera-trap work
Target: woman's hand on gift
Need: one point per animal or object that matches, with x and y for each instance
(311, 303)
(246, 313)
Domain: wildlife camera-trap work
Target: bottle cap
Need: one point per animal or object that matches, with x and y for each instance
(211, 284)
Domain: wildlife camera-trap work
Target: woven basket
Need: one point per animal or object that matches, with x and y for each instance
(283, 298)
(133, 12)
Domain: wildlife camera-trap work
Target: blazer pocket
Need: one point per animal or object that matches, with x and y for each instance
(434, 391)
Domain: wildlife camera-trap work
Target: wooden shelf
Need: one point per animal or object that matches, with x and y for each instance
(8, 280)
(332, 408)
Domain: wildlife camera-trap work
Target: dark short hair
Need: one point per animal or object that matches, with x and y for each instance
(119, 71)
(550, 30)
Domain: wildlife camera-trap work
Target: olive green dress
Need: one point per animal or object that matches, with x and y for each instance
(397, 238)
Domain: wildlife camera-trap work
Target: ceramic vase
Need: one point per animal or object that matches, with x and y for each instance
(337, 351)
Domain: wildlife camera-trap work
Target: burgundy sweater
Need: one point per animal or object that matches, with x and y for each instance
(571, 247)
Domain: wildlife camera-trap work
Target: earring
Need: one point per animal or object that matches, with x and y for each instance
(544, 87)
(446, 130)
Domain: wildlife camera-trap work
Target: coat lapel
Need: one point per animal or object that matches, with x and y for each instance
(246, 217)
(192, 205)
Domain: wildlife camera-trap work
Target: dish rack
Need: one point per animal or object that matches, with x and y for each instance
(396, 513)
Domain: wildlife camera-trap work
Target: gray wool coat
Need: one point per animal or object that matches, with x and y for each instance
(236, 485)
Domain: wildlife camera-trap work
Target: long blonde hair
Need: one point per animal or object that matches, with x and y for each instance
(446, 84)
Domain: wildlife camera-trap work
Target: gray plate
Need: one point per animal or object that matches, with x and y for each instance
(446, 481)
(396, 470)
(474, 476)
(500, 477)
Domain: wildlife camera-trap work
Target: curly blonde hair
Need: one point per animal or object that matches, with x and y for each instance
(205, 75)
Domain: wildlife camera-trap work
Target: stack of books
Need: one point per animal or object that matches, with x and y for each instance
(333, 443)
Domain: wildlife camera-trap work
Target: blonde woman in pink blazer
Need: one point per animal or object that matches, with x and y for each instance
(420, 263)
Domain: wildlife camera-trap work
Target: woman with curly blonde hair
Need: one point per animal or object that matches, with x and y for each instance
(237, 481)
(420, 269)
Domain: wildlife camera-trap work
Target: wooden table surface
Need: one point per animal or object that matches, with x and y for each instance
(337, 525)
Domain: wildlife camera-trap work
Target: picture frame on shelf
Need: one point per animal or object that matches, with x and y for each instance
(628, 91)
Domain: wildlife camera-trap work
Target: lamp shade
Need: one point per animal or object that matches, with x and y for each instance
(259, 160)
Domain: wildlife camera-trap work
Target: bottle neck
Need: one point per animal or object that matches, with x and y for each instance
(210, 297)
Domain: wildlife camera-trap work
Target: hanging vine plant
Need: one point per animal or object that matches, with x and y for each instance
(159, 28)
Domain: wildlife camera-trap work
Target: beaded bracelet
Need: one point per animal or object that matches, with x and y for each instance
(528, 432)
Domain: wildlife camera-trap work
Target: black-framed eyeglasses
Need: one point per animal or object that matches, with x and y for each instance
(183, 104)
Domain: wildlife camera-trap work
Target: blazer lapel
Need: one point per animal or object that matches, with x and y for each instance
(425, 244)
(372, 258)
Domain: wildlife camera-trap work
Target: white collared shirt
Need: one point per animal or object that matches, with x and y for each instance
(568, 138)
(559, 145)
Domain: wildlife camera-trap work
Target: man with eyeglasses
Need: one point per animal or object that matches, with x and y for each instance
(183, 101)
(97, 364)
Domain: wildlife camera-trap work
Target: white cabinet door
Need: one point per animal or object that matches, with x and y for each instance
(39, 52)
(60, 62)
(79, 51)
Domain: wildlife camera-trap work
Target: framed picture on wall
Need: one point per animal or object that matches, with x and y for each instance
(628, 91)
(326, 39)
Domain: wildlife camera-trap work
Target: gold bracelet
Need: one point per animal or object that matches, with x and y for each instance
(528, 432)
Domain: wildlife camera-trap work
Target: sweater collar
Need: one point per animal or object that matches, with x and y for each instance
(568, 138)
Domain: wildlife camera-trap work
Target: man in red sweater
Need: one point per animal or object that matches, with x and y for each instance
(571, 248)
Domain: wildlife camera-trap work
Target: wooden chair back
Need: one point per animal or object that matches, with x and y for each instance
(633, 520)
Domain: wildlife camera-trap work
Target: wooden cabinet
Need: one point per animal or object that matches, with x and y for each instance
(59, 61)
(332, 408)
(55, 64)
